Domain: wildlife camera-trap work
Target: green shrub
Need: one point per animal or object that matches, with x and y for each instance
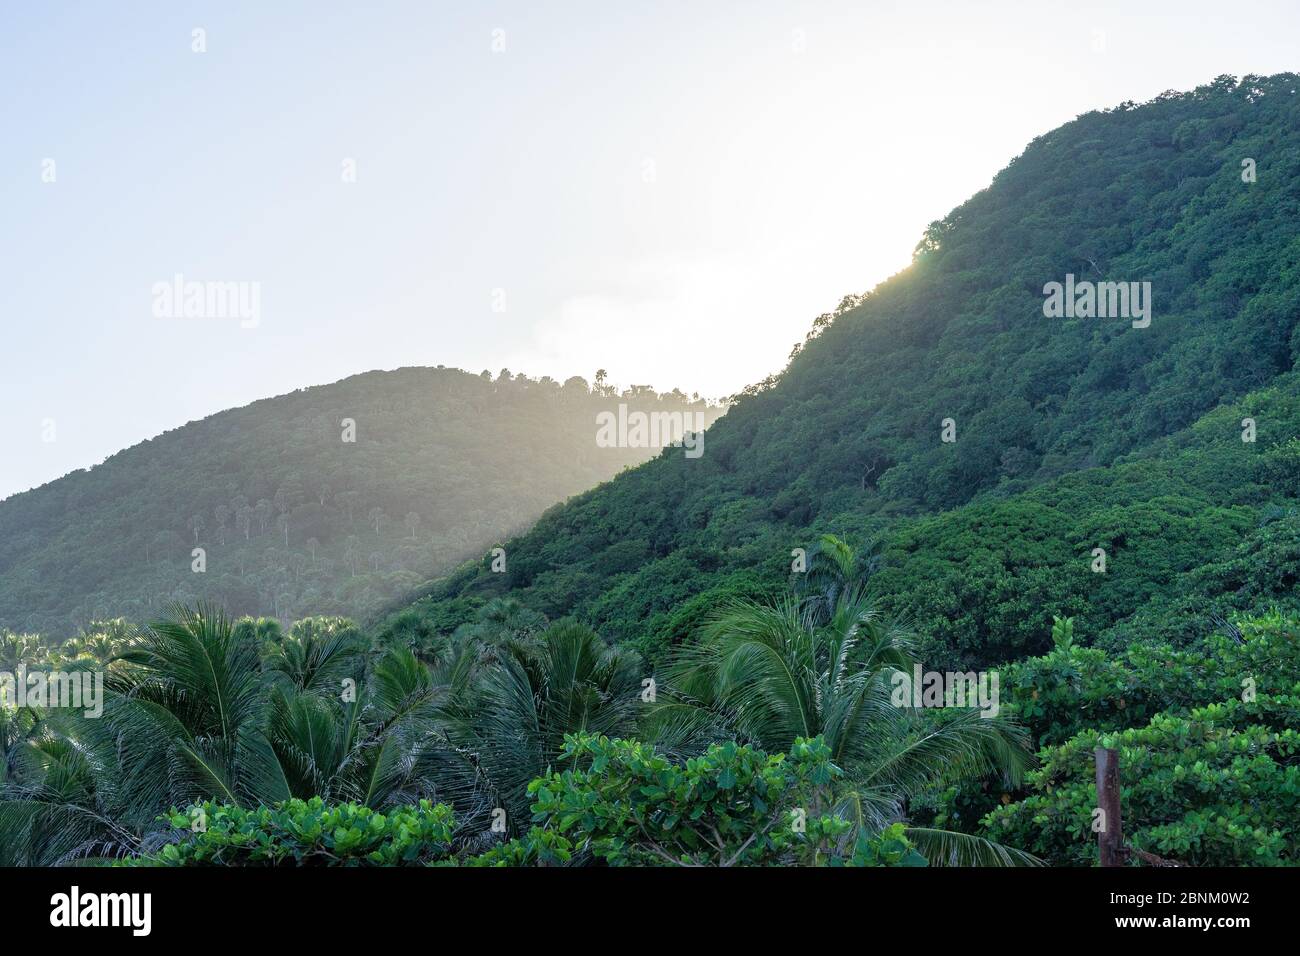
(1074, 688)
(1218, 787)
(626, 805)
(620, 804)
(306, 833)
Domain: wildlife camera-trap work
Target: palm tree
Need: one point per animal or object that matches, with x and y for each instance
(382, 747)
(61, 799)
(182, 721)
(15, 726)
(194, 695)
(499, 620)
(833, 568)
(317, 655)
(511, 723)
(18, 649)
(99, 641)
(771, 674)
(188, 717)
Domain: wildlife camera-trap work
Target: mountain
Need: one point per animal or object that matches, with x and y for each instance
(983, 442)
(1099, 514)
(292, 517)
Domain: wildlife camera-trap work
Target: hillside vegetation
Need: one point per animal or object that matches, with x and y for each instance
(697, 663)
(292, 518)
(1070, 434)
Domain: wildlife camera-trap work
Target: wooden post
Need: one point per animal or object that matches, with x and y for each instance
(1110, 838)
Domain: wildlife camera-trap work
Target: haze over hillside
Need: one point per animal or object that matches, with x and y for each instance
(299, 512)
(948, 387)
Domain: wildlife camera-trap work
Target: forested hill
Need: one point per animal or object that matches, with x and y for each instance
(296, 519)
(1197, 194)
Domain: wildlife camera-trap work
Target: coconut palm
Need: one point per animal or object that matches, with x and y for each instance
(180, 723)
(200, 684)
(771, 674)
(190, 714)
(16, 649)
(99, 641)
(833, 567)
(511, 723)
(498, 621)
(317, 655)
(61, 798)
(15, 725)
(383, 745)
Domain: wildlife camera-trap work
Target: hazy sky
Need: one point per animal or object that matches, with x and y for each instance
(670, 191)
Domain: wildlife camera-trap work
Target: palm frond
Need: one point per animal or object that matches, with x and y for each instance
(953, 848)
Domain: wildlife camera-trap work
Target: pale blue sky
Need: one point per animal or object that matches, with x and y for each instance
(798, 151)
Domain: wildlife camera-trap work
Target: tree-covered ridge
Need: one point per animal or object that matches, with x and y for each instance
(1195, 528)
(848, 437)
(292, 518)
(983, 581)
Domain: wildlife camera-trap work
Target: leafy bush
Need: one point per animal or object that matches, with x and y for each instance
(1218, 787)
(626, 805)
(1072, 688)
(306, 833)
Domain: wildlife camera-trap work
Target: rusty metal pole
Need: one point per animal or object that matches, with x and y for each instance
(1110, 836)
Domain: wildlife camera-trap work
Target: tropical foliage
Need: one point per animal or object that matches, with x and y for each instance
(692, 664)
(305, 833)
(1220, 786)
(777, 675)
(242, 720)
(622, 805)
(1207, 742)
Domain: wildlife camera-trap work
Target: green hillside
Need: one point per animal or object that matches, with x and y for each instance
(1071, 434)
(293, 519)
(655, 678)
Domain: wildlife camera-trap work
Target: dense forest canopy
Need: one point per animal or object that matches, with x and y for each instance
(1067, 431)
(292, 516)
